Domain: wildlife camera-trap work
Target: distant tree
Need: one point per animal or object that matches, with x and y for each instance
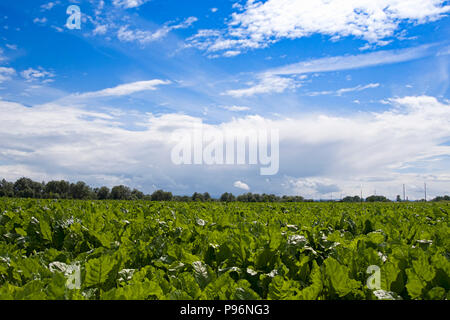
(137, 195)
(80, 190)
(441, 198)
(351, 199)
(160, 195)
(206, 196)
(398, 199)
(291, 199)
(57, 189)
(6, 189)
(182, 198)
(197, 197)
(227, 197)
(269, 198)
(27, 188)
(377, 199)
(103, 193)
(121, 193)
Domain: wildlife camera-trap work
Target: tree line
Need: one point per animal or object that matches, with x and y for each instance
(27, 188)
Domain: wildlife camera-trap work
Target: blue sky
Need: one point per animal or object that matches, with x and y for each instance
(358, 88)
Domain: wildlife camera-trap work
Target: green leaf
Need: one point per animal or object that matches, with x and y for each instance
(338, 276)
(97, 270)
(437, 293)
(314, 290)
(136, 291)
(201, 273)
(281, 289)
(46, 230)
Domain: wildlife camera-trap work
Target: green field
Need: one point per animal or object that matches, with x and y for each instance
(68, 249)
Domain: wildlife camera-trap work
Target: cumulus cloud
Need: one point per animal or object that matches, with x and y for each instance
(100, 29)
(40, 73)
(6, 74)
(241, 185)
(129, 3)
(125, 89)
(260, 24)
(319, 153)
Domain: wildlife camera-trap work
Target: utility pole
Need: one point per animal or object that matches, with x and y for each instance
(404, 193)
(361, 194)
(425, 189)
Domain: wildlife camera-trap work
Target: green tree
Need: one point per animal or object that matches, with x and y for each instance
(80, 190)
(227, 197)
(27, 188)
(137, 195)
(103, 193)
(6, 189)
(57, 189)
(197, 197)
(206, 196)
(160, 195)
(352, 199)
(121, 193)
(377, 199)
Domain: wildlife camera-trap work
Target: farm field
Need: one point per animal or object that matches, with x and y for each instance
(73, 249)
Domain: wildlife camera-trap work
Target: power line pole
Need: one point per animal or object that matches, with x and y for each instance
(425, 189)
(404, 193)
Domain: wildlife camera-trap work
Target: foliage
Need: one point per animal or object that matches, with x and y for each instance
(222, 250)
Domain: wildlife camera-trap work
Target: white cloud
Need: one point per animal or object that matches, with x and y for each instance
(11, 46)
(231, 53)
(6, 74)
(143, 37)
(49, 5)
(125, 89)
(259, 23)
(340, 92)
(319, 153)
(40, 20)
(37, 74)
(267, 84)
(129, 3)
(100, 29)
(214, 10)
(236, 108)
(59, 29)
(350, 62)
(241, 185)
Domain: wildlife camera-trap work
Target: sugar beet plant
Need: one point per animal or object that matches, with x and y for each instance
(171, 250)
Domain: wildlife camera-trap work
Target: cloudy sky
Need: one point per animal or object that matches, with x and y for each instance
(358, 89)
